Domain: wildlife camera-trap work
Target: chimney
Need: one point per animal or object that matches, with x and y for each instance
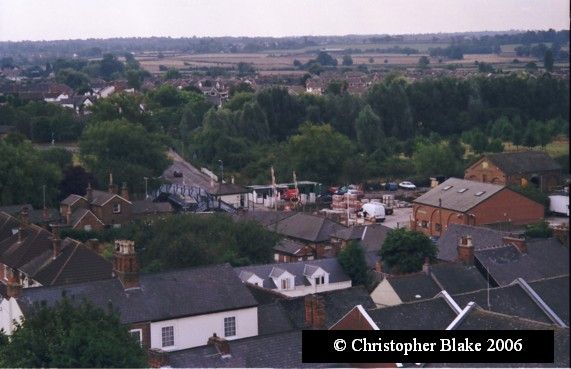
(519, 243)
(426, 266)
(125, 264)
(24, 217)
(13, 287)
(20, 234)
(68, 215)
(378, 266)
(466, 250)
(232, 179)
(89, 193)
(158, 358)
(56, 241)
(221, 344)
(125, 191)
(314, 312)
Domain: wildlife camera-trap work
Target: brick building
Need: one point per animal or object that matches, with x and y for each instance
(516, 168)
(459, 201)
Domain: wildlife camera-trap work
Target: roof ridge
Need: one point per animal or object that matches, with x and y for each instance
(64, 264)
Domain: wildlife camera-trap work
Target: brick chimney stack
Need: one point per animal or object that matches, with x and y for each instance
(125, 264)
(68, 216)
(111, 187)
(519, 243)
(89, 193)
(221, 344)
(14, 287)
(314, 311)
(56, 241)
(125, 191)
(426, 266)
(25, 217)
(466, 250)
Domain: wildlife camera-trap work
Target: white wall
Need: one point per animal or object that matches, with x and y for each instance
(306, 290)
(234, 200)
(194, 331)
(9, 311)
(384, 295)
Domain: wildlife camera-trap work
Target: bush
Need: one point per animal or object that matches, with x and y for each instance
(538, 230)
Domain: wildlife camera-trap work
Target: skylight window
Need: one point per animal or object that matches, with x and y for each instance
(480, 193)
(462, 190)
(447, 188)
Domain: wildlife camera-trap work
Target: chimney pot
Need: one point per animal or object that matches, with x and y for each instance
(24, 217)
(56, 241)
(519, 243)
(125, 264)
(89, 194)
(466, 250)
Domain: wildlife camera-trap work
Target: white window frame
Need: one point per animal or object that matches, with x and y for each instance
(285, 285)
(167, 336)
(230, 326)
(139, 332)
(320, 280)
(117, 208)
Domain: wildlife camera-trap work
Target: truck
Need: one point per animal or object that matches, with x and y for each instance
(373, 211)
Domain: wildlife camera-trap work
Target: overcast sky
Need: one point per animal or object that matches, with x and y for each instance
(72, 19)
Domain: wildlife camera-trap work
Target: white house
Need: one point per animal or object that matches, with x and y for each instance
(297, 279)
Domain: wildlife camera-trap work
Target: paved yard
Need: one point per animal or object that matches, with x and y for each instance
(400, 218)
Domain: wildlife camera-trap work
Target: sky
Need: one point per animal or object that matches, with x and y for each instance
(81, 19)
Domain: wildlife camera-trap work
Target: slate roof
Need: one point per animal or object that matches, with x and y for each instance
(523, 162)
(78, 214)
(555, 293)
(482, 238)
(228, 189)
(289, 246)
(161, 296)
(458, 278)
(454, 200)
(8, 225)
(408, 287)
(509, 300)
(263, 217)
(307, 227)
(72, 199)
(141, 207)
(433, 314)
(35, 241)
(544, 258)
(282, 350)
(35, 216)
(100, 198)
(329, 265)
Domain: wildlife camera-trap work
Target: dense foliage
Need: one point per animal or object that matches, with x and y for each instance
(404, 251)
(539, 230)
(352, 260)
(71, 335)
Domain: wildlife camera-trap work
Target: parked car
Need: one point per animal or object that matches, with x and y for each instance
(177, 174)
(325, 199)
(407, 185)
(392, 186)
(341, 191)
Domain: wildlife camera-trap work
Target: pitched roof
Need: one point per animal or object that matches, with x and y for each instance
(161, 296)
(414, 287)
(482, 238)
(544, 258)
(289, 246)
(523, 162)
(555, 293)
(433, 314)
(34, 242)
(307, 227)
(79, 214)
(459, 194)
(263, 217)
(150, 207)
(72, 199)
(457, 277)
(329, 265)
(100, 198)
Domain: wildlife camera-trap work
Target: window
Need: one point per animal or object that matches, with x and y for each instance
(116, 208)
(447, 188)
(320, 280)
(230, 326)
(137, 334)
(87, 227)
(424, 224)
(168, 336)
(285, 284)
(438, 227)
(462, 190)
(480, 193)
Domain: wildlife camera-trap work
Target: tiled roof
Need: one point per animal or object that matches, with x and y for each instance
(523, 162)
(289, 246)
(544, 258)
(307, 227)
(482, 238)
(555, 293)
(329, 265)
(161, 296)
(458, 278)
(72, 199)
(78, 214)
(102, 197)
(150, 207)
(414, 287)
(263, 217)
(459, 194)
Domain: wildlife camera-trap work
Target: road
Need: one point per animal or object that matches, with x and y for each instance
(191, 176)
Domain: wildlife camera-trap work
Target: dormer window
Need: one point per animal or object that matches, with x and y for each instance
(320, 280)
(286, 284)
(116, 208)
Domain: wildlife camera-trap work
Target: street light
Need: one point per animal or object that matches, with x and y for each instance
(146, 186)
(221, 171)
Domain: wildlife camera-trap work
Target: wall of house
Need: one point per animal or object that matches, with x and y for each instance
(485, 171)
(426, 219)
(146, 333)
(91, 220)
(9, 312)
(194, 331)
(236, 200)
(353, 320)
(384, 295)
(508, 206)
(105, 213)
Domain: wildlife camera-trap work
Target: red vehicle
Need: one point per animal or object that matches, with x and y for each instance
(290, 194)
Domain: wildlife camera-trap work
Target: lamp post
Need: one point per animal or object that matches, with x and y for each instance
(221, 171)
(146, 186)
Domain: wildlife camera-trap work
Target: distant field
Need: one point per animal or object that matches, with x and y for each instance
(556, 148)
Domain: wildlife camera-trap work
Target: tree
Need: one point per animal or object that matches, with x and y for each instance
(317, 151)
(325, 59)
(347, 60)
(336, 88)
(253, 123)
(538, 230)
(23, 172)
(404, 251)
(435, 158)
(69, 334)
(548, 60)
(126, 150)
(369, 129)
(352, 260)
(72, 78)
(245, 69)
(241, 87)
(75, 181)
(110, 67)
(172, 73)
(423, 62)
(58, 156)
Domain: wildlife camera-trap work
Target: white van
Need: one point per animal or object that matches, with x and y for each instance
(374, 211)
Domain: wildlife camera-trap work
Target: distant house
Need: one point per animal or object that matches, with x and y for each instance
(98, 209)
(296, 279)
(30, 256)
(288, 250)
(460, 201)
(166, 311)
(370, 237)
(516, 168)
